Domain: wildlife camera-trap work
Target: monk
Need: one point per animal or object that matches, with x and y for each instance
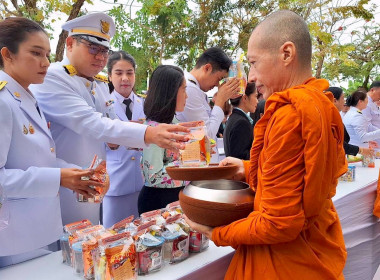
(296, 158)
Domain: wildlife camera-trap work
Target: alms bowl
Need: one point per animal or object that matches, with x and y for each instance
(216, 202)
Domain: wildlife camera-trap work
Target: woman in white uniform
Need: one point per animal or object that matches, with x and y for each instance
(123, 163)
(30, 173)
(359, 129)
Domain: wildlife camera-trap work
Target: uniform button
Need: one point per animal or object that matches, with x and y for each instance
(88, 84)
(52, 150)
(133, 158)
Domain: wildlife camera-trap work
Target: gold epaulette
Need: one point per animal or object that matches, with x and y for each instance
(70, 70)
(142, 95)
(2, 84)
(101, 78)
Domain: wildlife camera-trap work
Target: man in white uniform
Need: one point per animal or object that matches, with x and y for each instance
(75, 100)
(372, 112)
(211, 67)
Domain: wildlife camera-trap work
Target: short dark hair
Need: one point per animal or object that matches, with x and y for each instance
(354, 98)
(336, 91)
(250, 89)
(14, 31)
(161, 99)
(115, 57)
(375, 84)
(218, 59)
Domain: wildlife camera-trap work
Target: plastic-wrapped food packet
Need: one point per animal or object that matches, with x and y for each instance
(350, 175)
(77, 258)
(69, 233)
(198, 242)
(149, 246)
(176, 247)
(153, 215)
(197, 152)
(123, 224)
(4, 212)
(369, 161)
(237, 71)
(100, 175)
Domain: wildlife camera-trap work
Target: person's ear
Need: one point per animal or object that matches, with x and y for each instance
(6, 55)
(69, 43)
(288, 53)
(207, 68)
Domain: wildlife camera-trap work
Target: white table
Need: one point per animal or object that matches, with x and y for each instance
(353, 201)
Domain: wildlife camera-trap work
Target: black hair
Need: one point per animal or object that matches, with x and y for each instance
(161, 99)
(14, 31)
(336, 91)
(115, 57)
(354, 98)
(375, 84)
(215, 56)
(250, 89)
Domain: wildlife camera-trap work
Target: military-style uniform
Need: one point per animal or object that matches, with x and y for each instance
(124, 169)
(82, 121)
(372, 114)
(29, 173)
(197, 107)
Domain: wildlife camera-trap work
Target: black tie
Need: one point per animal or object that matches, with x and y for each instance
(128, 111)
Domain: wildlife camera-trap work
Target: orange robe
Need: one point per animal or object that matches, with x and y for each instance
(376, 207)
(296, 158)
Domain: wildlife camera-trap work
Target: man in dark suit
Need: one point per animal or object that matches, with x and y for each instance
(238, 134)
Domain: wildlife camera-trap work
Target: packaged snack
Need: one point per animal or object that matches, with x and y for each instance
(120, 226)
(153, 215)
(237, 71)
(369, 161)
(198, 242)
(197, 152)
(100, 175)
(149, 248)
(176, 247)
(65, 247)
(349, 176)
(77, 258)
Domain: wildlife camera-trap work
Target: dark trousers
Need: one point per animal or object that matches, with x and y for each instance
(156, 198)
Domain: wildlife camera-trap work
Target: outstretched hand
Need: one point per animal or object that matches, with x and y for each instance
(166, 136)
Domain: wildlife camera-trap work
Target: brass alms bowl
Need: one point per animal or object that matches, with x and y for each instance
(216, 202)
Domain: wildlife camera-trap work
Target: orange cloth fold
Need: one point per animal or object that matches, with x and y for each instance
(296, 159)
(376, 207)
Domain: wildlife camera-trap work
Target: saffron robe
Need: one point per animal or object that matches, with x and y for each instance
(296, 159)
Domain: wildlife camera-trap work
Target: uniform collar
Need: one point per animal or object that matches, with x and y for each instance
(190, 79)
(121, 98)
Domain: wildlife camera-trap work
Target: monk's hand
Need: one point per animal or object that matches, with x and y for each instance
(167, 136)
(206, 230)
(79, 181)
(229, 89)
(240, 174)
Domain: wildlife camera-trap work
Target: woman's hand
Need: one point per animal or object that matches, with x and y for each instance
(166, 136)
(206, 230)
(240, 174)
(76, 180)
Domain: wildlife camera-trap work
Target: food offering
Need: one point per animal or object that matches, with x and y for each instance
(349, 176)
(198, 242)
(101, 176)
(149, 247)
(237, 71)
(197, 152)
(176, 234)
(369, 161)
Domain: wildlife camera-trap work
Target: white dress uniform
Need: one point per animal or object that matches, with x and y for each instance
(81, 123)
(197, 107)
(124, 169)
(359, 129)
(372, 114)
(29, 173)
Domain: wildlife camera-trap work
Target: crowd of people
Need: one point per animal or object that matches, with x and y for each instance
(56, 117)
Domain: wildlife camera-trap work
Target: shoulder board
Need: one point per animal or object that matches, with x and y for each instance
(360, 112)
(192, 81)
(142, 95)
(101, 78)
(70, 70)
(2, 84)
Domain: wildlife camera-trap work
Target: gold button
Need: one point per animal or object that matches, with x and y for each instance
(88, 84)
(17, 94)
(133, 158)
(52, 150)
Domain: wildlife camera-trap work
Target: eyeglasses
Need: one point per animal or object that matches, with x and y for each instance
(95, 50)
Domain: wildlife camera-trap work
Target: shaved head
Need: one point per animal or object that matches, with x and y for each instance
(286, 26)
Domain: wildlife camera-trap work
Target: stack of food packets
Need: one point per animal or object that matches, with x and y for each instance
(131, 247)
(197, 152)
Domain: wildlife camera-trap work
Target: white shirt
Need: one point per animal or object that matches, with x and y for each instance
(197, 107)
(358, 128)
